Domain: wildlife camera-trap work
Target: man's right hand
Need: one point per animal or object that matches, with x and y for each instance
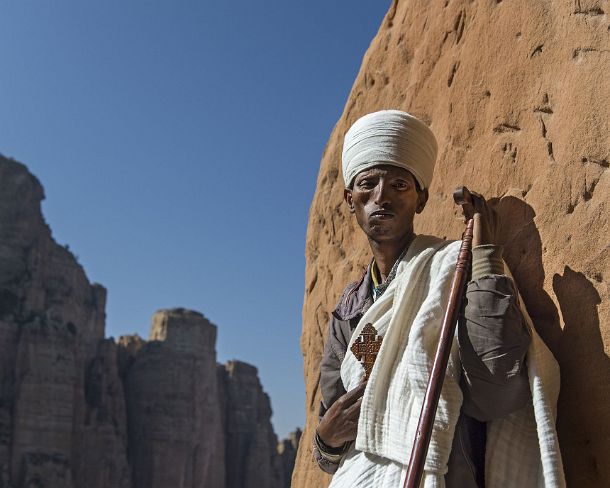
(340, 422)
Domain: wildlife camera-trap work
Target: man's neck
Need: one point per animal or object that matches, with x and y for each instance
(387, 252)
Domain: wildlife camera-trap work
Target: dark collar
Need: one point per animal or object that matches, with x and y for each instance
(356, 298)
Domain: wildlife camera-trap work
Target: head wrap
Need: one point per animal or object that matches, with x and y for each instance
(389, 137)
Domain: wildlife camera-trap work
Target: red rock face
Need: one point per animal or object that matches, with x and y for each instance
(518, 96)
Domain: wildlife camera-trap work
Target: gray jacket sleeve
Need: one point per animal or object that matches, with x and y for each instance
(493, 340)
(331, 384)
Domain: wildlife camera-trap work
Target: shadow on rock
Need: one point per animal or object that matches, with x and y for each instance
(584, 416)
(523, 253)
(583, 413)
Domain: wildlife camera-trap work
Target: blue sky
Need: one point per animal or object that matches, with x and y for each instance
(179, 143)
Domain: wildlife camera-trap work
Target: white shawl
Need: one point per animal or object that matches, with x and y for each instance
(522, 448)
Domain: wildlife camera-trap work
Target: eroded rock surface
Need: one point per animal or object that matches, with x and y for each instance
(174, 418)
(51, 332)
(78, 410)
(287, 450)
(518, 96)
(249, 434)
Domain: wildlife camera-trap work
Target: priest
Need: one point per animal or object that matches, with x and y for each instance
(495, 423)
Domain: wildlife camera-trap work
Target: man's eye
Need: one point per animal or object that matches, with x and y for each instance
(401, 184)
(365, 184)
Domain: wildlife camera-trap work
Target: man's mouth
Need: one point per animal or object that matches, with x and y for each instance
(382, 214)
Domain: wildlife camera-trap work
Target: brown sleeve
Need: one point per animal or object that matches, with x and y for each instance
(493, 339)
(324, 464)
(331, 385)
(330, 366)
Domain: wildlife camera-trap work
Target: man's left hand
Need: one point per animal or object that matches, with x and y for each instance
(486, 221)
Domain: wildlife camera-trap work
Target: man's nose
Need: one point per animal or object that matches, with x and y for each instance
(382, 193)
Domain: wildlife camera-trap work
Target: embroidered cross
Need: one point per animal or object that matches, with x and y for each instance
(366, 347)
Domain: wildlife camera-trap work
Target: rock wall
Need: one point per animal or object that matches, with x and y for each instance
(173, 405)
(249, 434)
(288, 453)
(51, 332)
(518, 96)
(78, 410)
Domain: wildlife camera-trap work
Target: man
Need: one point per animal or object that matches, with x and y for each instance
(486, 409)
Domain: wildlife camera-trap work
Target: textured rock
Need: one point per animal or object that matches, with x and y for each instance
(103, 461)
(175, 426)
(193, 423)
(51, 323)
(287, 449)
(78, 410)
(518, 96)
(251, 444)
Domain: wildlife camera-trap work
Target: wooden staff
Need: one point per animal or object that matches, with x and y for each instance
(419, 451)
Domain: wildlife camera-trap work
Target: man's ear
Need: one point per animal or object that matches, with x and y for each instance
(422, 199)
(347, 196)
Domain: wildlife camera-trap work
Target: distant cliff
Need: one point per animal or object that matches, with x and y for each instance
(78, 410)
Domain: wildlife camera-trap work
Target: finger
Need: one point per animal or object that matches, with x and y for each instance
(479, 203)
(468, 211)
(496, 220)
(351, 396)
(485, 210)
(353, 412)
(485, 221)
(468, 207)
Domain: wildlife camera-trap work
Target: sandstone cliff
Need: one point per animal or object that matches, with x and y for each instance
(288, 452)
(173, 405)
(78, 410)
(518, 96)
(249, 435)
(51, 334)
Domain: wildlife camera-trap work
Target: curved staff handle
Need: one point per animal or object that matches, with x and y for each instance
(423, 434)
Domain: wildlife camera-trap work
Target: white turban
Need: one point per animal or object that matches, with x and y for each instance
(389, 137)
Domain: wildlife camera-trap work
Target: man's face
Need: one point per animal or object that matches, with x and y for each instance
(385, 200)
